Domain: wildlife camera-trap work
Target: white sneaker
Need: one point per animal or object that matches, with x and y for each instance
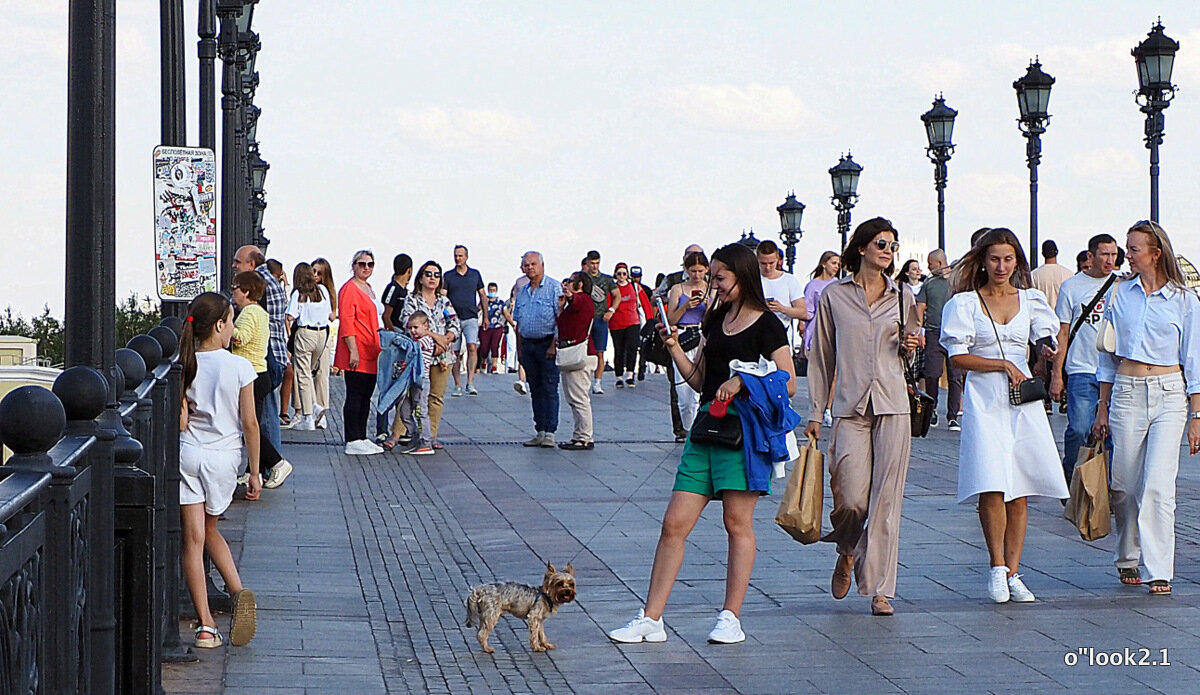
(319, 415)
(521, 387)
(640, 629)
(1018, 592)
(827, 420)
(547, 440)
(306, 424)
(536, 441)
(728, 629)
(279, 473)
(362, 447)
(596, 387)
(457, 392)
(998, 584)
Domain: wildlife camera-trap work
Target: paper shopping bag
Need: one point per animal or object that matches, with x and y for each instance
(1088, 506)
(800, 509)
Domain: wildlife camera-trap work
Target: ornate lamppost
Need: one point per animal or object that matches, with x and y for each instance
(789, 221)
(258, 197)
(845, 192)
(1033, 98)
(1155, 58)
(939, 128)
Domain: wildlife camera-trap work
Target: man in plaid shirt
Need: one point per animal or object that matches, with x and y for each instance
(275, 301)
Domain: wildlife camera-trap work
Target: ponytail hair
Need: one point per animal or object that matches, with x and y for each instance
(203, 314)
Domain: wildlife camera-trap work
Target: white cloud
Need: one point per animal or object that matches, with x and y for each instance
(1106, 164)
(756, 107)
(468, 130)
(1104, 62)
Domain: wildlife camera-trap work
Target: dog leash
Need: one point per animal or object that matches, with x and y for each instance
(645, 480)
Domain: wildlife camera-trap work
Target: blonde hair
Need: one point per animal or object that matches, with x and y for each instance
(1168, 264)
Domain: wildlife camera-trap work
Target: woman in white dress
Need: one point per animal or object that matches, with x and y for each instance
(1007, 453)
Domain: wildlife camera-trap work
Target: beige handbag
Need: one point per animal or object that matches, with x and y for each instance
(800, 509)
(1106, 333)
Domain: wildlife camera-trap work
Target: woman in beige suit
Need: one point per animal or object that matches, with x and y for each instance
(859, 338)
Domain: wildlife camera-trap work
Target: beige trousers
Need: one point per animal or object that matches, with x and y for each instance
(321, 381)
(310, 346)
(439, 374)
(868, 466)
(575, 385)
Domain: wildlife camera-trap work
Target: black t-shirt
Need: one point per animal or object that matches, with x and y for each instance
(394, 296)
(759, 339)
(463, 291)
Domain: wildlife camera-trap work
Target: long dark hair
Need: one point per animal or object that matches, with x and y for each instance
(743, 263)
(203, 313)
(863, 234)
(327, 279)
(816, 273)
(305, 283)
(902, 274)
(971, 272)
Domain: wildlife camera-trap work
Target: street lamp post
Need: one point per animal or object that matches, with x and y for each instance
(845, 192)
(206, 50)
(939, 129)
(1033, 98)
(1155, 58)
(789, 221)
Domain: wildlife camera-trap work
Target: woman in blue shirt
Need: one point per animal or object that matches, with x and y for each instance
(1142, 398)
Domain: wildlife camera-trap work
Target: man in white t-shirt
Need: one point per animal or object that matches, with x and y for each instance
(1080, 358)
(783, 291)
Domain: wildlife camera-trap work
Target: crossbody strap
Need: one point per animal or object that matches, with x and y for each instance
(999, 342)
(1088, 309)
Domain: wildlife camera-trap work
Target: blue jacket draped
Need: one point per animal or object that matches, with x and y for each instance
(399, 367)
(767, 417)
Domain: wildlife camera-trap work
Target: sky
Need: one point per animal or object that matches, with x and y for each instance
(628, 127)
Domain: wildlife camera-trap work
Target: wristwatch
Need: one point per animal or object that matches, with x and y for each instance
(1196, 415)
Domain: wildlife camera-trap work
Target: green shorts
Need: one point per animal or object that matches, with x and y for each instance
(710, 470)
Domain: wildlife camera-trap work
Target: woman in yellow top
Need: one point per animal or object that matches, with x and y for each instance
(251, 332)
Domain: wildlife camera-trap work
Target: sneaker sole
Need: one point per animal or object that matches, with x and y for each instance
(713, 640)
(647, 638)
(245, 618)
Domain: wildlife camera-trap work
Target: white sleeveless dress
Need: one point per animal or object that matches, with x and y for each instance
(1004, 448)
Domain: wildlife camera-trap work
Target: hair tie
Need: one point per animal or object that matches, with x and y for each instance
(190, 318)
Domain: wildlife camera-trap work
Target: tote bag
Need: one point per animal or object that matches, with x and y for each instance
(800, 509)
(1088, 507)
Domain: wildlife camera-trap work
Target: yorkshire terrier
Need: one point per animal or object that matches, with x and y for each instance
(486, 603)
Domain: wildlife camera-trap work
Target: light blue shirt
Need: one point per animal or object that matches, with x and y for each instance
(536, 308)
(1160, 329)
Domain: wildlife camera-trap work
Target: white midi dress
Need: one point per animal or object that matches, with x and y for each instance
(1004, 448)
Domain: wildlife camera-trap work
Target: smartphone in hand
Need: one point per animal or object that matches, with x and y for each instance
(662, 312)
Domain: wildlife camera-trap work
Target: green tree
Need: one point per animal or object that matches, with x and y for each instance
(134, 316)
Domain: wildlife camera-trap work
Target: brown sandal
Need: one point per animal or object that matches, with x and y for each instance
(1160, 587)
(1129, 576)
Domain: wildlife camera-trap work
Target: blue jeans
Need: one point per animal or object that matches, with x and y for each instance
(542, 374)
(1083, 392)
(270, 419)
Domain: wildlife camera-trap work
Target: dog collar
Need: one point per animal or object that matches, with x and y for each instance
(549, 601)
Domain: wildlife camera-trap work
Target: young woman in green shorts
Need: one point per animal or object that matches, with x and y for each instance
(738, 326)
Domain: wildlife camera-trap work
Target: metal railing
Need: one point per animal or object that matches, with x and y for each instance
(89, 526)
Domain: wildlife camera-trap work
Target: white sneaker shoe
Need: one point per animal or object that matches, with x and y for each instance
(536, 441)
(457, 392)
(827, 419)
(640, 629)
(596, 387)
(362, 447)
(1018, 592)
(997, 587)
(547, 440)
(319, 415)
(306, 424)
(728, 629)
(279, 473)
(521, 387)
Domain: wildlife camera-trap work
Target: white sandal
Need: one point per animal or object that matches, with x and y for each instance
(208, 642)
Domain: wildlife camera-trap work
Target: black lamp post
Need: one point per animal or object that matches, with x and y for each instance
(1033, 98)
(258, 200)
(939, 128)
(789, 222)
(1155, 57)
(845, 192)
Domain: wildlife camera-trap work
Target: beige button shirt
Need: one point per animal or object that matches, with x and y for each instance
(861, 344)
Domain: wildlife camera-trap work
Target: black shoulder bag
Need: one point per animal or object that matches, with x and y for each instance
(1029, 390)
(920, 404)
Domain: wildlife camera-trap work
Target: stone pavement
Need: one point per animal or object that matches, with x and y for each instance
(361, 565)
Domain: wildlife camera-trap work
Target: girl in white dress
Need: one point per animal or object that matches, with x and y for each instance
(1007, 452)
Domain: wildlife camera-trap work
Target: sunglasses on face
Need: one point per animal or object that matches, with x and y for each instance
(432, 274)
(883, 244)
(365, 264)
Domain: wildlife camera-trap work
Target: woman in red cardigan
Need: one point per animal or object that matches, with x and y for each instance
(624, 324)
(357, 351)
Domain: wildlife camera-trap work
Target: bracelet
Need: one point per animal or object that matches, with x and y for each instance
(1196, 415)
